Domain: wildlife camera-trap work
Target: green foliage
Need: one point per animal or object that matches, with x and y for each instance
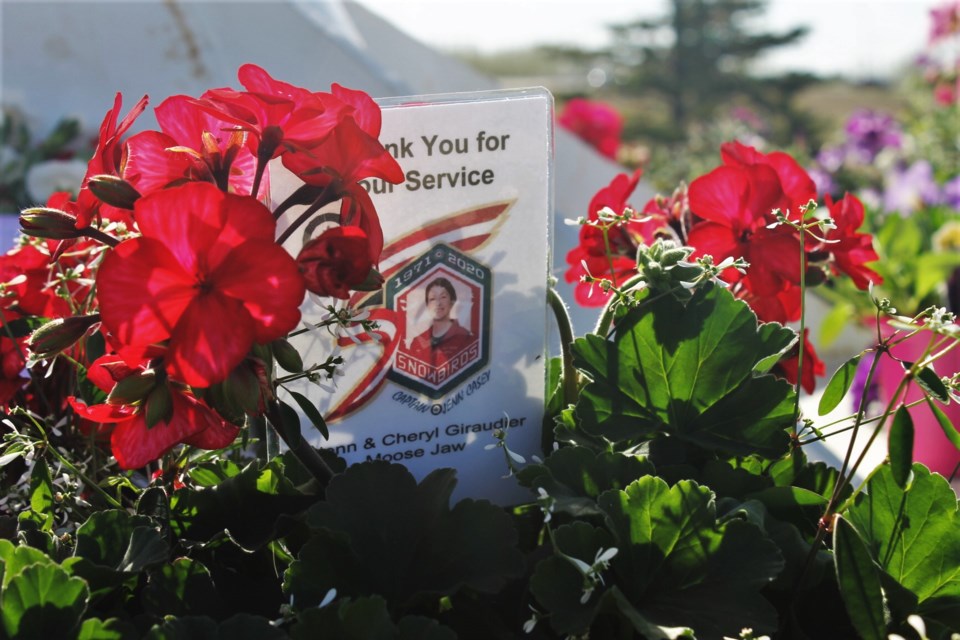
(380, 533)
(686, 371)
(676, 565)
(42, 600)
(913, 535)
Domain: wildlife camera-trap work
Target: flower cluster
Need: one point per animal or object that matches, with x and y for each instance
(728, 214)
(170, 257)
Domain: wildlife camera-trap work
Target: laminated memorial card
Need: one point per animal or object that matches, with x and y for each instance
(443, 365)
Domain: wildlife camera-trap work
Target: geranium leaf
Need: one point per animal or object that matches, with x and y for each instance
(914, 535)
(181, 588)
(41, 494)
(431, 548)
(43, 601)
(575, 476)
(246, 626)
(859, 582)
(900, 446)
(14, 558)
(838, 386)
(365, 619)
(110, 629)
(249, 505)
(685, 370)
(121, 542)
(557, 584)
(679, 567)
(945, 424)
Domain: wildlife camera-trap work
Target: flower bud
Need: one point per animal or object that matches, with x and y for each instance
(43, 222)
(373, 282)
(59, 334)
(113, 190)
(336, 262)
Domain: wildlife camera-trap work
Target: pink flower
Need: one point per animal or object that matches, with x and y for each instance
(596, 123)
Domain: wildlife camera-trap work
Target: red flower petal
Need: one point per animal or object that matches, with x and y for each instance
(721, 196)
(211, 338)
(188, 220)
(142, 290)
(267, 280)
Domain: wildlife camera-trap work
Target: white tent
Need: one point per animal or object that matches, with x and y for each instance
(70, 58)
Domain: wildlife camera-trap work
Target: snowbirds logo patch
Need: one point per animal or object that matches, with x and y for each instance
(443, 297)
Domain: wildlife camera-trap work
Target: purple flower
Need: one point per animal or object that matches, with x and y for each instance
(870, 132)
(824, 181)
(831, 158)
(951, 193)
(911, 188)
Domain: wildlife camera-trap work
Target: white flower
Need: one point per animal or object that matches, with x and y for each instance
(44, 178)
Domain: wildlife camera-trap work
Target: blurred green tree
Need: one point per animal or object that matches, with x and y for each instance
(697, 58)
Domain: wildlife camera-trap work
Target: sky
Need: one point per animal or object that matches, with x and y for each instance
(856, 38)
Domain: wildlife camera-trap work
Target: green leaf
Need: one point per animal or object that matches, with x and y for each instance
(41, 493)
(43, 601)
(677, 565)
(404, 539)
(245, 626)
(686, 371)
(122, 542)
(289, 423)
(185, 628)
(900, 446)
(931, 383)
(948, 429)
(250, 506)
(575, 476)
(311, 411)
(209, 474)
(838, 386)
(181, 588)
(557, 584)
(365, 618)
(110, 629)
(17, 557)
(859, 580)
(914, 535)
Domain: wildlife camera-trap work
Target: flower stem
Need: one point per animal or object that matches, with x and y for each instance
(606, 317)
(568, 373)
(322, 200)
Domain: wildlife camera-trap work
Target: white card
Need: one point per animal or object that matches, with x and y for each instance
(462, 339)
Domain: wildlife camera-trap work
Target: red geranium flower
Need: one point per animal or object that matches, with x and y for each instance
(336, 262)
(107, 159)
(206, 274)
(623, 241)
(279, 116)
(851, 250)
(734, 202)
(193, 145)
(133, 443)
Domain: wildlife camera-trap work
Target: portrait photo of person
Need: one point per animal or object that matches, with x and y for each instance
(445, 337)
